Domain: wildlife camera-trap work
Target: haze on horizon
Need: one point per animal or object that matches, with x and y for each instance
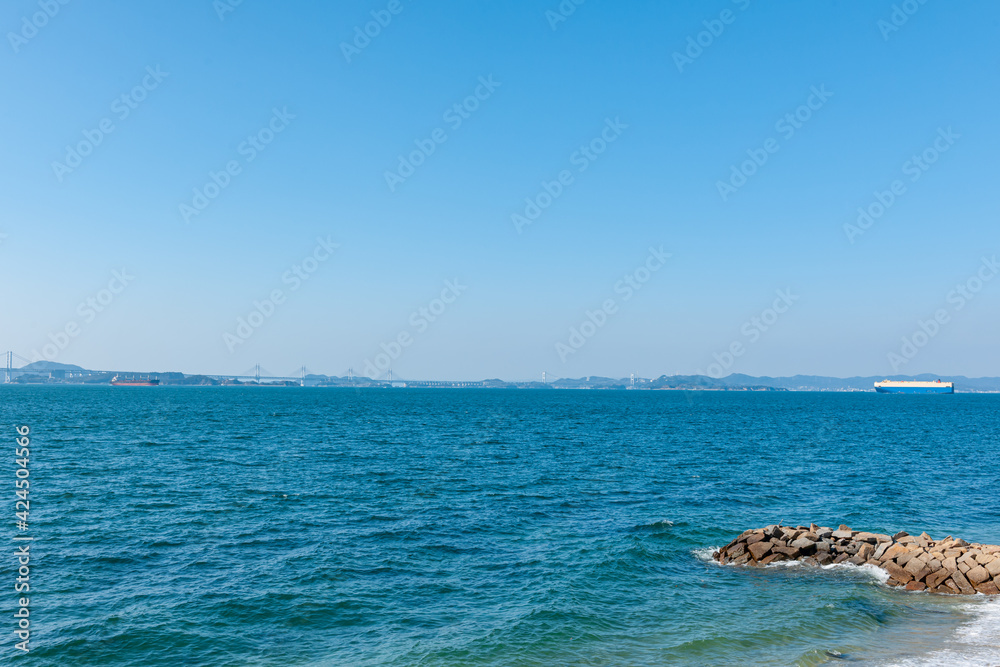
(496, 190)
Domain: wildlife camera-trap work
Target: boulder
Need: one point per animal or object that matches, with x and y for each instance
(978, 575)
(897, 573)
(760, 549)
(807, 546)
(963, 584)
(791, 552)
(773, 558)
(894, 551)
(916, 586)
(935, 579)
(969, 556)
(988, 588)
(917, 569)
(993, 567)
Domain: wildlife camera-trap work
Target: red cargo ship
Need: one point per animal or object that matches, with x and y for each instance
(133, 382)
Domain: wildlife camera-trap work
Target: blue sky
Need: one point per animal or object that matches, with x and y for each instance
(679, 124)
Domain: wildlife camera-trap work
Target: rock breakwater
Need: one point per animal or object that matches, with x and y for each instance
(915, 562)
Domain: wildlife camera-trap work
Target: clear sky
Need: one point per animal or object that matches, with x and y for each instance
(242, 133)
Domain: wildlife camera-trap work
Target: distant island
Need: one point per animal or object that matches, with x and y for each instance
(48, 372)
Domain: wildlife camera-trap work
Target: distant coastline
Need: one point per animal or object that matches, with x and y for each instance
(51, 373)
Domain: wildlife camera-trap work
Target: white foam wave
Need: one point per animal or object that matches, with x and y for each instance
(873, 571)
(876, 573)
(705, 555)
(975, 644)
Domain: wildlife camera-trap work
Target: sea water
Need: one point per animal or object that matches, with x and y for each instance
(291, 526)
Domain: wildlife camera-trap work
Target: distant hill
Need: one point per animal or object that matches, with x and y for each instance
(47, 366)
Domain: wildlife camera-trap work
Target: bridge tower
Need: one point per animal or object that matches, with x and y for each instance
(256, 373)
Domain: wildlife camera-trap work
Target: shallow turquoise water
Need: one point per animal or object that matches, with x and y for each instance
(288, 526)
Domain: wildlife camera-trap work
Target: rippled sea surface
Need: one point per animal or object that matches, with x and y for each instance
(290, 526)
